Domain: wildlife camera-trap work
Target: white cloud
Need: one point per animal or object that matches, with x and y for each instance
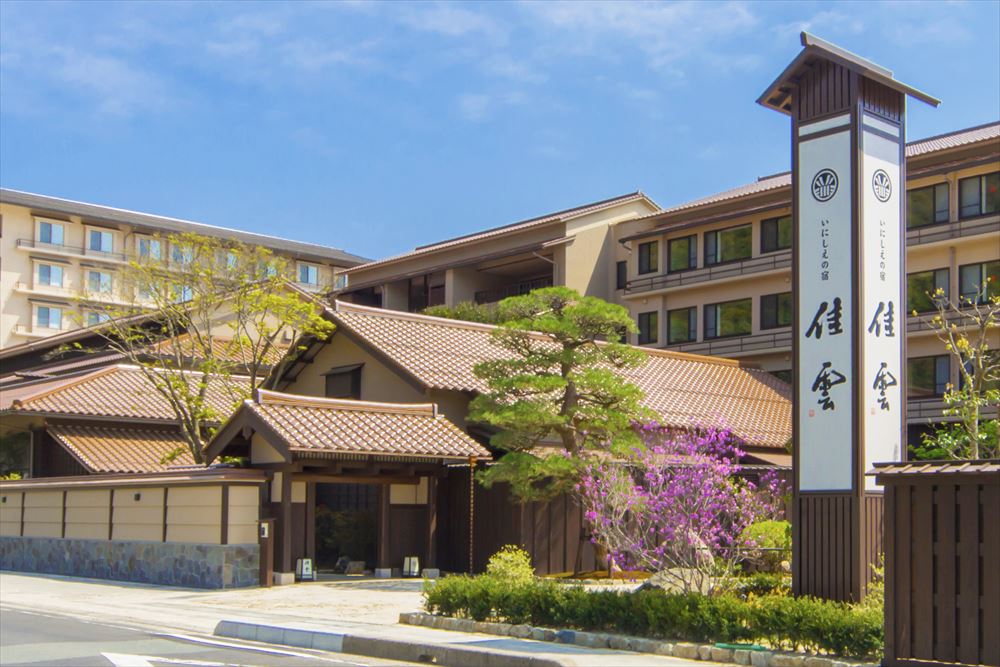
(452, 20)
(503, 65)
(475, 107)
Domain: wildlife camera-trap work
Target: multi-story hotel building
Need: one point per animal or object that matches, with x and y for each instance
(53, 252)
(713, 276)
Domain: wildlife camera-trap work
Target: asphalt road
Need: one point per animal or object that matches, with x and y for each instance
(56, 641)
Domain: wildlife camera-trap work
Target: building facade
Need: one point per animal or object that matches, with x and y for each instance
(55, 252)
(713, 276)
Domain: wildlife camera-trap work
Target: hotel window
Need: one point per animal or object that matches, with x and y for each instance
(921, 288)
(776, 310)
(728, 245)
(776, 234)
(93, 317)
(979, 195)
(649, 327)
(344, 382)
(927, 206)
(181, 256)
(309, 274)
(50, 275)
(99, 282)
(732, 318)
(621, 275)
(979, 282)
(48, 317)
(182, 293)
(927, 376)
(783, 375)
(100, 241)
(682, 325)
(150, 248)
(50, 232)
(683, 253)
(649, 257)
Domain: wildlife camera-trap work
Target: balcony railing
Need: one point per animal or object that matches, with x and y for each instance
(775, 341)
(495, 294)
(920, 323)
(70, 250)
(924, 410)
(953, 230)
(771, 262)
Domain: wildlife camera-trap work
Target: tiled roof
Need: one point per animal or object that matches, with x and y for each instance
(111, 449)
(120, 391)
(919, 468)
(764, 184)
(506, 229)
(682, 388)
(309, 424)
(222, 348)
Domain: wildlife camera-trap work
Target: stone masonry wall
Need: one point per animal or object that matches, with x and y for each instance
(172, 564)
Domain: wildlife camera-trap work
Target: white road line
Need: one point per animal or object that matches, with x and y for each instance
(259, 649)
(129, 660)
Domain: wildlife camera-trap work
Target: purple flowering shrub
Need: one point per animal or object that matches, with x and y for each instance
(676, 507)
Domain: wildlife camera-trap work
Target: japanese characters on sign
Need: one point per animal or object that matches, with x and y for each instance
(883, 308)
(825, 401)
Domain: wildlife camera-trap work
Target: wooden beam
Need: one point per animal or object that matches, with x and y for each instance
(285, 563)
(224, 516)
(310, 520)
(432, 522)
(355, 479)
(383, 527)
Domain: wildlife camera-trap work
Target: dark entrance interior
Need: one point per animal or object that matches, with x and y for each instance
(346, 524)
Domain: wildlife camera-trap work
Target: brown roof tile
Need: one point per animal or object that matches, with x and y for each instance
(309, 424)
(119, 391)
(111, 449)
(684, 389)
(506, 229)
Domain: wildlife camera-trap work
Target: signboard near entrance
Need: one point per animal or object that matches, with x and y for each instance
(824, 306)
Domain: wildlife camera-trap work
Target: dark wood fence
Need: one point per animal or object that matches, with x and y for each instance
(942, 562)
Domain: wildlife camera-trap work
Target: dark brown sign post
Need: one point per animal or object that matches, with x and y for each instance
(849, 330)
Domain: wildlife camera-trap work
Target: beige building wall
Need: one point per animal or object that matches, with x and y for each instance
(10, 512)
(138, 514)
(88, 513)
(194, 514)
(244, 512)
(22, 251)
(43, 512)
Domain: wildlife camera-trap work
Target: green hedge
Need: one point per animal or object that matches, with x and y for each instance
(781, 621)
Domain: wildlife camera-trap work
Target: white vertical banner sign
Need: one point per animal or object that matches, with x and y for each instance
(824, 307)
(883, 309)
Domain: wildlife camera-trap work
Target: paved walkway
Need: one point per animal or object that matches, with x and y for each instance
(356, 610)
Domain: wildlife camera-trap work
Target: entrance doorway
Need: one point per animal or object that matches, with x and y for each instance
(346, 524)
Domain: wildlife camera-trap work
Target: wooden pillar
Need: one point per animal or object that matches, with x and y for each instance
(63, 514)
(432, 521)
(383, 527)
(111, 515)
(311, 522)
(224, 516)
(285, 560)
(166, 504)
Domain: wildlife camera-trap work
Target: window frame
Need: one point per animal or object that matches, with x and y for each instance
(934, 188)
(651, 256)
(351, 371)
(777, 309)
(621, 275)
(309, 268)
(716, 233)
(103, 233)
(981, 180)
(48, 325)
(150, 240)
(936, 358)
(48, 265)
(650, 334)
(935, 273)
(52, 224)
(111, 281)
(777, 235)
(692, 258)
(718, 305)
(692, 312)
(983, 273)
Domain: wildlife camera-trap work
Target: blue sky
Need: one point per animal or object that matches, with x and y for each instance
(377, 127)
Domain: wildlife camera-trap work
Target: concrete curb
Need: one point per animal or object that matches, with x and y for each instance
(451, 655)
(708, 652)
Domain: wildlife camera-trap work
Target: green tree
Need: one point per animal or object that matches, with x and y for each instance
(558, 395)
(469, 311)
(191, 310)
(966, 327)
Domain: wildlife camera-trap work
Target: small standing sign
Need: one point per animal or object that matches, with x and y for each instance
(849, 342)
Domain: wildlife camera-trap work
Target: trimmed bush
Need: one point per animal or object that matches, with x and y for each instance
(780, 620)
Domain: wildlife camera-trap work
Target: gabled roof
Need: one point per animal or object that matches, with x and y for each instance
(43, 203)
(120, 391)
(685, 389)
(310, 425)
(111, 449)
(523, 225)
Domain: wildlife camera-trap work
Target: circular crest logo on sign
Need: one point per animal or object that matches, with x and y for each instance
(824, 185)
(881, 185)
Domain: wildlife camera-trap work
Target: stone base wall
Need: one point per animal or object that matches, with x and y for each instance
(168, 563)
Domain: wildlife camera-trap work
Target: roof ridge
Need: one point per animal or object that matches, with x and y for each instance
(953, 133)
(267, 397)
(106, 370)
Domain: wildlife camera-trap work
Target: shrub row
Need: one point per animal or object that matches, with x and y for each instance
(781, 621)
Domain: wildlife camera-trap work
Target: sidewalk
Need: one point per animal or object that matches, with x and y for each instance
(350, 616)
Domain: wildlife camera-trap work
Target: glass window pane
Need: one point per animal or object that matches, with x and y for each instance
(785, 232)
(734, 318)
(648, 327)
(941, 212)
(621, 275)
(991, 196)
(682, 253)
(968, 197)
(920, 377)
(711, 248)
(649, 257)
(920, 208)
(735, 243)
(44, 274)
(681, 325)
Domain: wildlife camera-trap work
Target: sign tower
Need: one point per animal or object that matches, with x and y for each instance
(849, 329)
